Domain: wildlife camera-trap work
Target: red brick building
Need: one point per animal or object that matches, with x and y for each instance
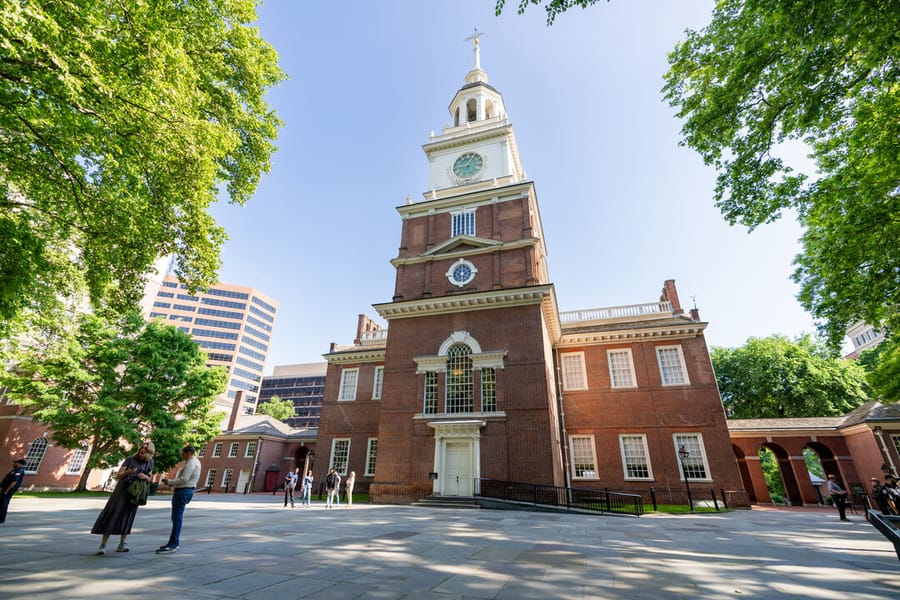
(480, 376)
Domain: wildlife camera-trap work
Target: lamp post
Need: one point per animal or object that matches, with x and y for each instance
(683, 454)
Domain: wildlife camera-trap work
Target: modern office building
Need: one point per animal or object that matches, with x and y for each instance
(233, 323)
(302, 384)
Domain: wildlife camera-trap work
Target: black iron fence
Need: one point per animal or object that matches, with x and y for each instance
(602, 501)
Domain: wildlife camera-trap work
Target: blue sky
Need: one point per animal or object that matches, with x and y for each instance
(623, 206)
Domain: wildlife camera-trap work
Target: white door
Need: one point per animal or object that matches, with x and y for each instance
(458, 460)
(243, 477)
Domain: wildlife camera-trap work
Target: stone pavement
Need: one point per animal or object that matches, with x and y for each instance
(250, 547)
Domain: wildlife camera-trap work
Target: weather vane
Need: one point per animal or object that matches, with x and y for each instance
(475, 36)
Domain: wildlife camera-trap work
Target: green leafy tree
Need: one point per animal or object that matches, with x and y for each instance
(775, 377)
(120, 123)
(277, 408)
(882, 365)
(553, 8)
(112, 382)
(826, 74)
(772, 474)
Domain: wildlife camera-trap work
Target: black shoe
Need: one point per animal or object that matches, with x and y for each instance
(167, 549)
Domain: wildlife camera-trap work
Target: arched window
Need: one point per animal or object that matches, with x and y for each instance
(460, 379)
(488, 109)
(35, 455)
(471, 110)
(456, 118)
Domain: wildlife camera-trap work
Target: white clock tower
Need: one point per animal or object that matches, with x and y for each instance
(478, 145)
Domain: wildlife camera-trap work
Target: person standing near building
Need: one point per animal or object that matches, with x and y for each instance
(290, 483)
(117, 517)
(306, 489)
(332, 485)
(348, 485)
(10, 485)
(839, 495)
(184, 483)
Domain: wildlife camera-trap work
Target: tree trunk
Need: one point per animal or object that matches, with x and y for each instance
(82, 481)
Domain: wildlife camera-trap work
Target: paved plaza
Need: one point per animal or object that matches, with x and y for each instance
(251, 547)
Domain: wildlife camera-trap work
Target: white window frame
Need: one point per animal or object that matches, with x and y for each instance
(210, 478)
(378, 383)
(227, 476)
(250, 450)
(613, 373)
(37, 449)
(625, 458)
(662, 373)
(573, 381)
(76, 463)
(217, 450)
(895, 440)
(233, 449)
(462, 222)
(590, 473)
(432, 383)
(332, 464)
(678, 439)
(371, 456)
(201, 452)
(347, 391)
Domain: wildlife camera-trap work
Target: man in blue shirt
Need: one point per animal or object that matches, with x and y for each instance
(10, 485)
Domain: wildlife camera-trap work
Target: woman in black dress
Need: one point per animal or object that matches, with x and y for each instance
(117, 516)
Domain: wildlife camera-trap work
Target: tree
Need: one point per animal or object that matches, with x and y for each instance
(277, 408)
(825, 74)
(553, 7)
(120, 123)
(113, 382)
(882, 366)
(774, 377)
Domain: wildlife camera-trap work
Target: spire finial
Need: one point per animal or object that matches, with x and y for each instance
(477, 58)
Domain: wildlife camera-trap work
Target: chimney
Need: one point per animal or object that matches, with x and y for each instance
(331, 347)
(235, 410)
(695, 314)
(670, 294)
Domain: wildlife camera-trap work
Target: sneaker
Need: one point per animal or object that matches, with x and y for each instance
(100, 551)
(167, 550)
(123, 548)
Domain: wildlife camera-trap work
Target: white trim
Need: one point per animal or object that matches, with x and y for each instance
(462, 262)
(217, 450)
(643, 438)
(699, 437)
(369, 453)
(459, 337)
(630, 365)
(344, 392)
(573, 385)
(684, 372)
(378, 383)
(233, 449)
(334, 443)
(594, 474)
(248, 453)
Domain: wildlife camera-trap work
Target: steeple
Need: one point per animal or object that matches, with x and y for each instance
(478, 146)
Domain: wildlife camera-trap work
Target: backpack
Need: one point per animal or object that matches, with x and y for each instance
(329, 481)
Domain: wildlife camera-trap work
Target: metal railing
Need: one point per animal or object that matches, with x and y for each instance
(602, 501)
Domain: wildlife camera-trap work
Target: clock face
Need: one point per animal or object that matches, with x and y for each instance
(468, 165)
(461, 272)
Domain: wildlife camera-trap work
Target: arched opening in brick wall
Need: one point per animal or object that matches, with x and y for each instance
(788, 477)
(745, 472)
(827, 460)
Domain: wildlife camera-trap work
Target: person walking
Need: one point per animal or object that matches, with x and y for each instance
(10, 486)
(184, 482)
(117, 517)
(290, 482)
(839, 495)
(306, 488)
(332, 485)
(348, 485)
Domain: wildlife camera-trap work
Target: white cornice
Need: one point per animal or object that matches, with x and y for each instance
(473, 243)
(468, 251)
(464, 302)
(688, 330)
(515, 191)
(358, 356)
(465, 138)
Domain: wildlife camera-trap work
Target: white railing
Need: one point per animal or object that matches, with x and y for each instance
(647, 309)
(373, 336)
(468, 128)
